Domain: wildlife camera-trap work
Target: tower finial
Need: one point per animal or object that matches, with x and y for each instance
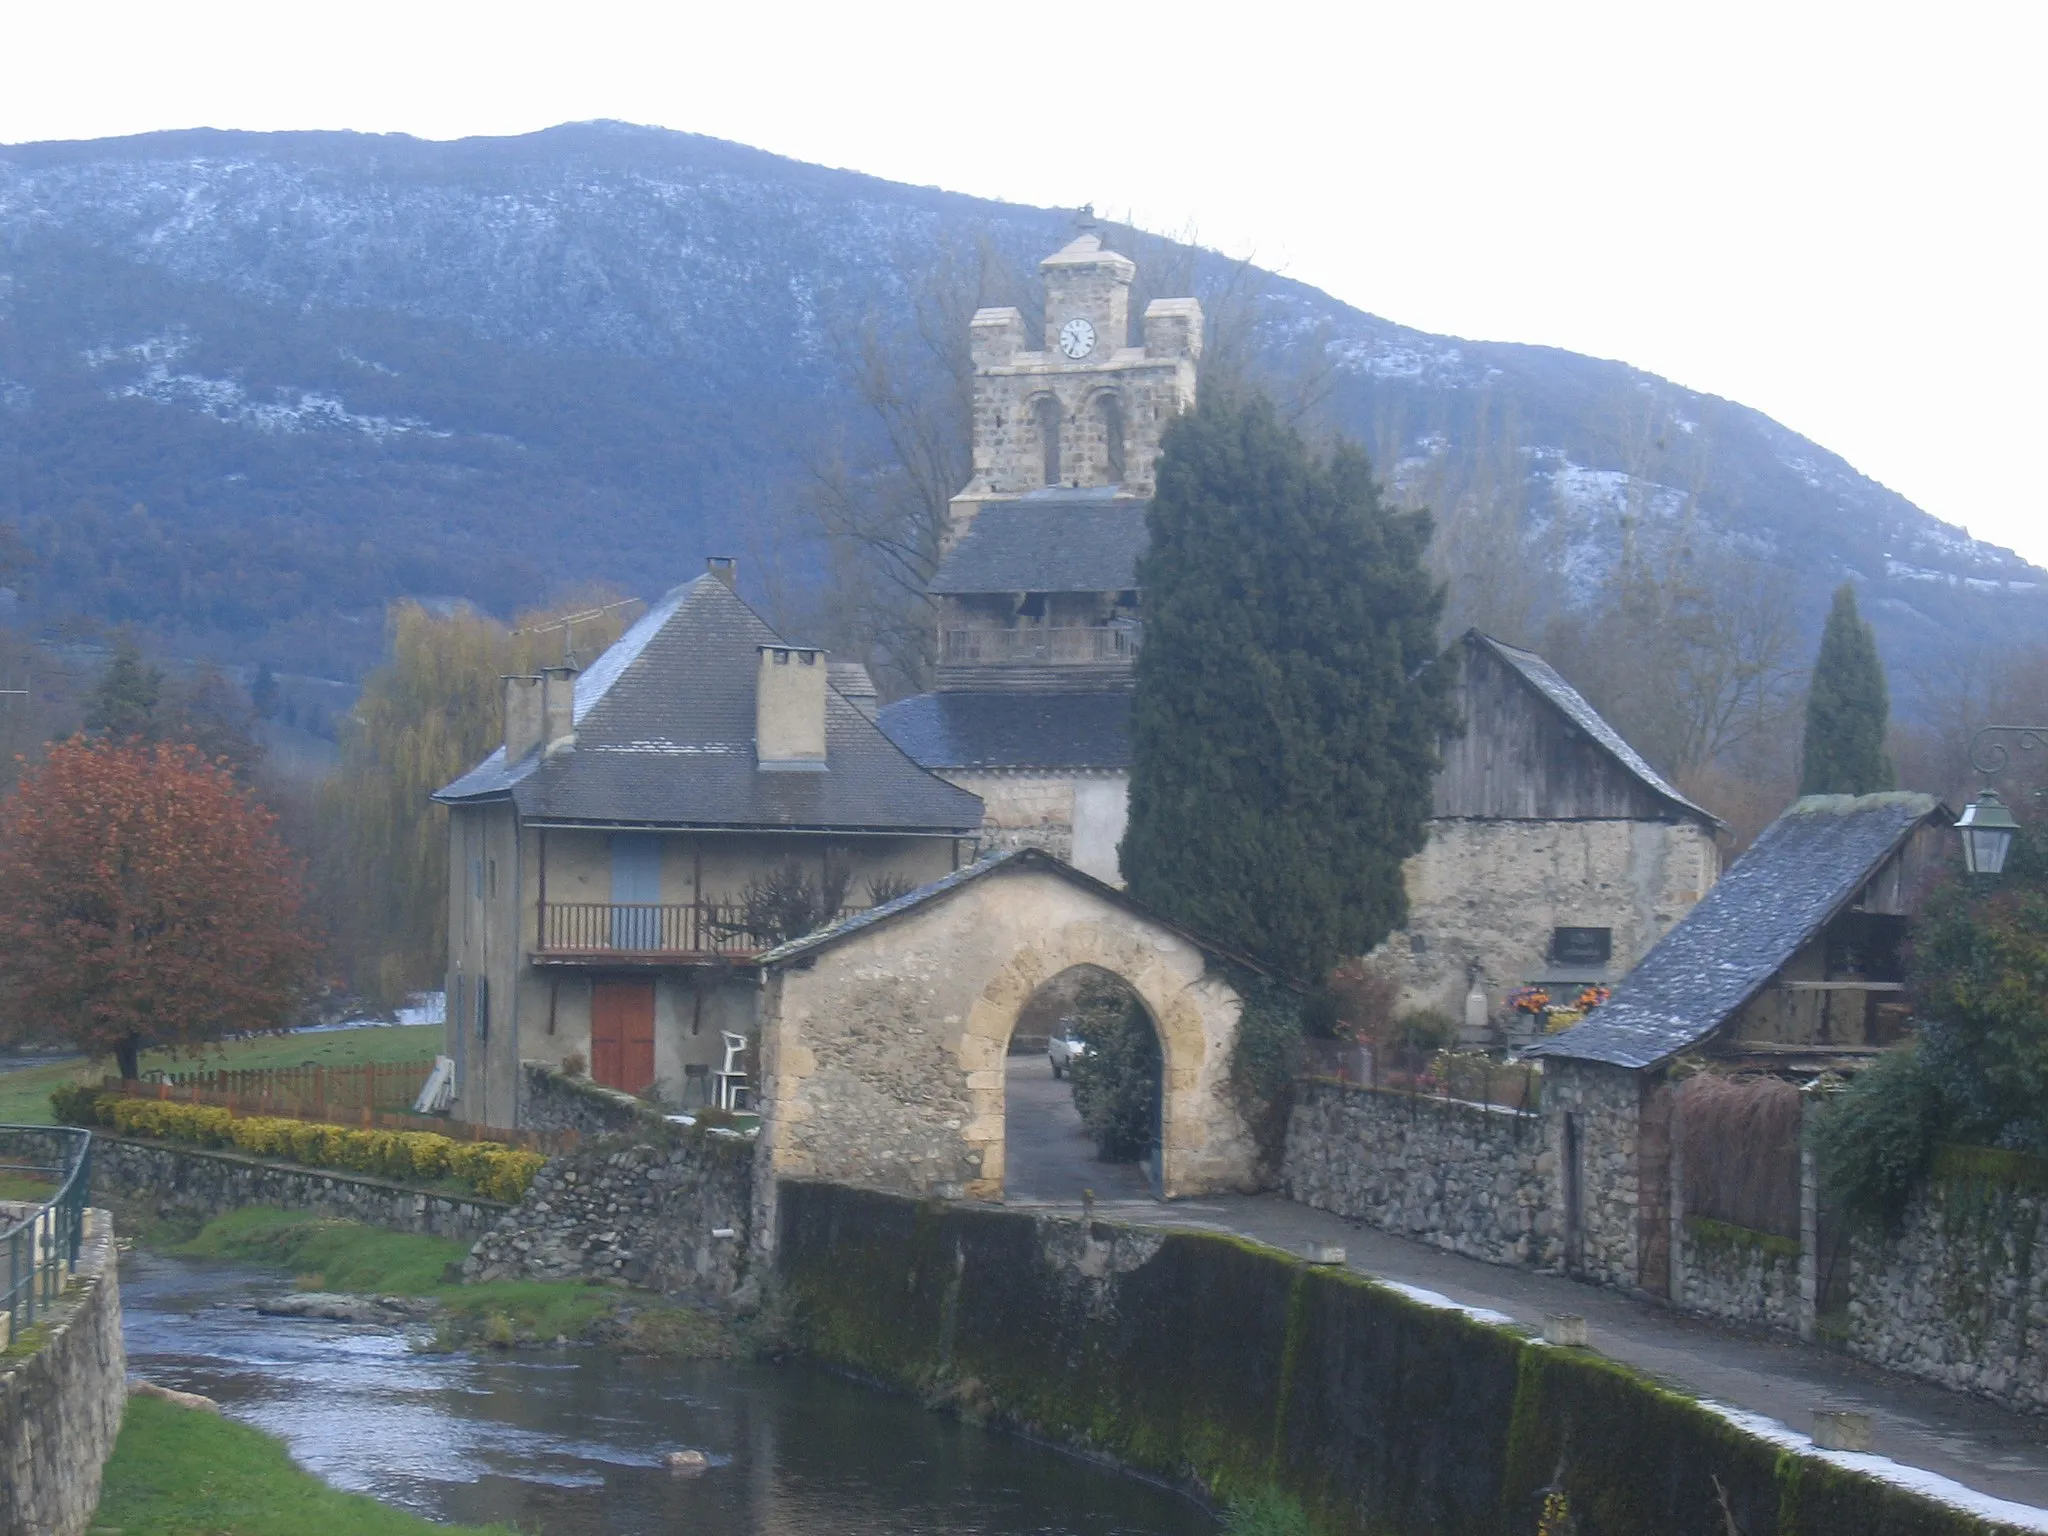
(1084, 218)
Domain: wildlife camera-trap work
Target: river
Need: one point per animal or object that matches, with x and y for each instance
(568, 1442)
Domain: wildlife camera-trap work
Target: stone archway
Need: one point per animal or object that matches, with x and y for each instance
(883, 1041)
(1132, 960)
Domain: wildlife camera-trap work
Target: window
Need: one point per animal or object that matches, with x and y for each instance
(1581, 946)
(1048, 413)
(483, 1007)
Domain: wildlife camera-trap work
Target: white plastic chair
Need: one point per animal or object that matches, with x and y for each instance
(730, 1083)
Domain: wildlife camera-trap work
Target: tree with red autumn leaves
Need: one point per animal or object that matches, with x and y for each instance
(145, 902)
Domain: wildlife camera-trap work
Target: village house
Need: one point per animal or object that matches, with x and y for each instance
(650, 825)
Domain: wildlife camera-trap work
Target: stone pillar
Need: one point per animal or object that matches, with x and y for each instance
(1676, 1203)
(1809, 1227)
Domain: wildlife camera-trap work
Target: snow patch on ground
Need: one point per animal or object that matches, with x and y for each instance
(1443, 1303)
(1931, 1485)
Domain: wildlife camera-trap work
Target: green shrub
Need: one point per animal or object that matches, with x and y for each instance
(72, 1104)
(489, 1169)
(1267, 1513)
(1116, 1084)
(1876, 1137)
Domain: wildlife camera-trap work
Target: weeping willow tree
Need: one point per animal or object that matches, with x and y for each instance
(433, 710)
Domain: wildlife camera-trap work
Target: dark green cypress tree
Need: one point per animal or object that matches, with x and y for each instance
(123, 703)
(1847, 709)
(1290, 693)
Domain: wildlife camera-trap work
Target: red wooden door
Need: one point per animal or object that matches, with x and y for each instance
(622, 1034)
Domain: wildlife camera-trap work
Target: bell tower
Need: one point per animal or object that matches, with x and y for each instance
(1085, 408)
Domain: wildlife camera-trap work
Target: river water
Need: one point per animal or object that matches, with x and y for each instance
(569, 1442)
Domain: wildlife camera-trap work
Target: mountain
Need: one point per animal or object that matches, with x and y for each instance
(252, 386)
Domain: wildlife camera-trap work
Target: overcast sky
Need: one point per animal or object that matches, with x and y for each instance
(1832, 213)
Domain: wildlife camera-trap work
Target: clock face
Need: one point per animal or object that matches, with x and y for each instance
(1077, 338)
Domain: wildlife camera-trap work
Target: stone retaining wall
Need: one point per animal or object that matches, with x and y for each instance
(1737, 1275)
(1475, 1180)
(551, 1100)
(1957, 1292)
(650, 1213)
(60, 1406)
(195, 1184)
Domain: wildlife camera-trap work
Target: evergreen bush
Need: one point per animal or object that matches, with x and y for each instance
(1847, 709)
(488, 1168)
(1116, 1083)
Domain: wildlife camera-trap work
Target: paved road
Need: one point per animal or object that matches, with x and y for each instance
(1050, 1162)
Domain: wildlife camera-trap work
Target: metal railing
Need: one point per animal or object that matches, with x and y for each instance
(1073, 646)
(651, 928)
(43, 1243)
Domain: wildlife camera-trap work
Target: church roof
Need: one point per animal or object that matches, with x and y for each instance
(1013, 729)
(1054, 540)
(1807, 866)
(665, 737)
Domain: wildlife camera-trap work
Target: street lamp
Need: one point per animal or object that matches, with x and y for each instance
(1987, 826)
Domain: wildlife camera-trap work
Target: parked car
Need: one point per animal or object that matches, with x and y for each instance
(1064, 1047)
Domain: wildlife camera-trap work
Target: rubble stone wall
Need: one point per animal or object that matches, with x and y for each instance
(1476, 1180)
(61, 1400)
(670, 1213)
(1737, 1275)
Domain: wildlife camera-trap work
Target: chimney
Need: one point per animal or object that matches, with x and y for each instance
(558, 707)
(724, 567)
(522, 716)
(789, 708)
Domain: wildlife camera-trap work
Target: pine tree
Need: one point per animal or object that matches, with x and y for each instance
(1290, 693)
(122, 705)
(1847, 708)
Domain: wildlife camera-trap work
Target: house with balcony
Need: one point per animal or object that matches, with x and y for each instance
(650, 825)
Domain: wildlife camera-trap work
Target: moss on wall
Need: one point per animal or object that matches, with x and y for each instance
(1233, 1368)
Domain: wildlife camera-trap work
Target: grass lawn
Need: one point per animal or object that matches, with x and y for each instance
(330, 1255)
(183, 1472)
(25, 1093)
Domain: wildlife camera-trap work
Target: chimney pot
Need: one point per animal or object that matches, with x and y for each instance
(789, 708)
(724, 567)
(522, 716)
(558, 707)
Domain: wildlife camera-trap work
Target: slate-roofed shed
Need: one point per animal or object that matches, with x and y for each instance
(664, 737)
(1810, 865)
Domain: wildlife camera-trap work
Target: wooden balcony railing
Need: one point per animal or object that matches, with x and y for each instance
(1075, 646)
(646, 928)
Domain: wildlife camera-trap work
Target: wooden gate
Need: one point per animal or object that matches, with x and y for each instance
(622, 1034)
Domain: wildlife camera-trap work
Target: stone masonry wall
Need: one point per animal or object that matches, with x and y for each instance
(60, 1407)
(669, 1213)
(550, 1100)
(192, 1184)
(1957, 1293)
(1605, 1108)
(1737, 1275)
(1478, 1181)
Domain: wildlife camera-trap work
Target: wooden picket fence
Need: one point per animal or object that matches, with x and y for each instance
(333, 1095)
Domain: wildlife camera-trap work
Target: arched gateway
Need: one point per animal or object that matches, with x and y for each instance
(883, 1038)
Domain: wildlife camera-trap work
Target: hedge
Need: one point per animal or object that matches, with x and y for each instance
(496, 1172)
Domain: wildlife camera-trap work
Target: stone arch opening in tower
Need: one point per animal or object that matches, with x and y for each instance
(1047, 411)
(1109, 409)
(1083, 1104)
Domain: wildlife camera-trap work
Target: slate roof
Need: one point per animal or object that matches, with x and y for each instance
(1807, 866)
(1013, 729)
(665, 737)
(1049, 541)
(1017, 860)
(1549, 682)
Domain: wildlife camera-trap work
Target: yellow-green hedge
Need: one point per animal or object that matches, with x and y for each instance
(493, 1171)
